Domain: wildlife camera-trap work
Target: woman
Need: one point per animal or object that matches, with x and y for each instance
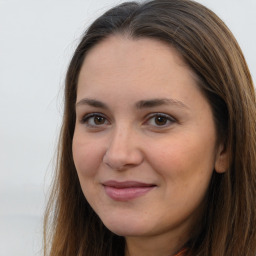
(157, 151)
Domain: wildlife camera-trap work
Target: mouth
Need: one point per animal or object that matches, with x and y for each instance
(127, 190)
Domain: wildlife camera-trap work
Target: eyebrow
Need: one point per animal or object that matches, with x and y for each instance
(139, 105)
(159, 102)
(92, 102)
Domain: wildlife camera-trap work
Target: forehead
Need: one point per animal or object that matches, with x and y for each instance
(119, 48)
(120, 60)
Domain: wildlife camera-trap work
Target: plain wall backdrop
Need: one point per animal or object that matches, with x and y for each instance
(37, 39)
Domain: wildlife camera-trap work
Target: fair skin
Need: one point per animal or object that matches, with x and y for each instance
(144, 144)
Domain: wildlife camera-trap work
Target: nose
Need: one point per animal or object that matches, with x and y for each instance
(123, 150)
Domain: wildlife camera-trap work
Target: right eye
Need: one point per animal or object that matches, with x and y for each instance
(94, 120)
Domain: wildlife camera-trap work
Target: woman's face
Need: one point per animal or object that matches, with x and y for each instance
(144, 144)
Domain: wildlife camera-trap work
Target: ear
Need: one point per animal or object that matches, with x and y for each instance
(221, 161)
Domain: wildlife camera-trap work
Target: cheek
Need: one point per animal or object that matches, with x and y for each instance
(186, 160)
(186, 170)
(87, 155)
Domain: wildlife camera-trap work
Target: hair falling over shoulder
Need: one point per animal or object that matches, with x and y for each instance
(205, 43)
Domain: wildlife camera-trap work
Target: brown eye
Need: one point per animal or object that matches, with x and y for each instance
(161, 120)
(94, 120)
(99, 120)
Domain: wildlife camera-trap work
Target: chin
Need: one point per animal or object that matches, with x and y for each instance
(125, 227)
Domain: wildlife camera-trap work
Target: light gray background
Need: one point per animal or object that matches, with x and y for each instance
(37, 39)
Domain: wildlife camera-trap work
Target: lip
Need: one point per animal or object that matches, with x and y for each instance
(126, 190)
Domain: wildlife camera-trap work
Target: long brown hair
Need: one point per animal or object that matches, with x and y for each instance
(209, 48)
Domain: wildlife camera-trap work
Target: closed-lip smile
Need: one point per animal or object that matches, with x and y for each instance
(126, 190)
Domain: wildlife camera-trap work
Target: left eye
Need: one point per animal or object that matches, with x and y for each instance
(98, 120)
(160, 120)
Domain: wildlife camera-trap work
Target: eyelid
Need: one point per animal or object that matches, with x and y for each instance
(170, 118)
(86, 117)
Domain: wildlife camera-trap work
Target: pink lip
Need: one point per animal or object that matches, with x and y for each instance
(128, 190)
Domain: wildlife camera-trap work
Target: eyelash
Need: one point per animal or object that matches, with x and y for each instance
(86, 119)
(169, 120)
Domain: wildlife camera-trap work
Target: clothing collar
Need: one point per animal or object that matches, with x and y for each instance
(182, 252)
